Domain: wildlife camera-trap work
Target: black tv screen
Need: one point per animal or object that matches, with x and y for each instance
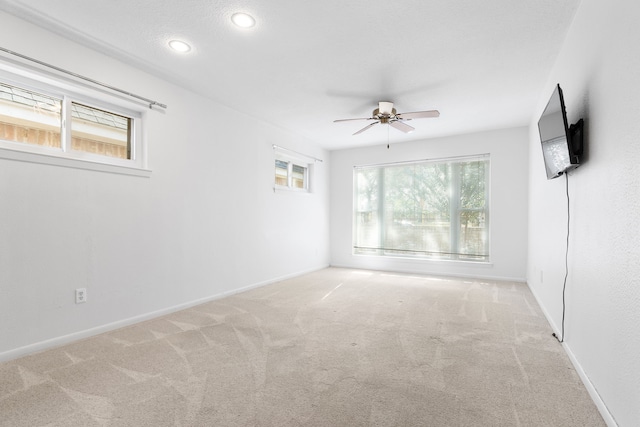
(556, 137)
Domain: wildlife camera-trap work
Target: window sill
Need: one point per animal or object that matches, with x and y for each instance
(414, 260)
(289, 190)
(68, 162)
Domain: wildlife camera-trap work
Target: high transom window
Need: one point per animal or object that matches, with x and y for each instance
(291, 174)
(437, 209)
(43, 120)
(38, 119)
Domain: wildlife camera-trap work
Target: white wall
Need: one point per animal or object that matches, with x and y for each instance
(598, 70)
(508, 208)
(204, 223)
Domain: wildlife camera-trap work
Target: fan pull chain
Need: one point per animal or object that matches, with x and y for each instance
(387, 137)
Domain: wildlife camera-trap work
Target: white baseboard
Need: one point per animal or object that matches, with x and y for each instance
(602, 407)
(591, 389)
(75, 336)
(410, 270)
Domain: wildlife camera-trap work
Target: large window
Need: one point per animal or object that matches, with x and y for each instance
(429, 209)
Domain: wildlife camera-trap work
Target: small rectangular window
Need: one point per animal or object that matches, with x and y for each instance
(29, 117)
(291, 174)
(42, 123)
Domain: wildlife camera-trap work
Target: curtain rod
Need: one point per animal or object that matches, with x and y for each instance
(95, 82)
(435, 160)
(277, 147)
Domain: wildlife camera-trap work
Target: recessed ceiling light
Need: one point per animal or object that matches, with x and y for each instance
(243, 20)
(179, 46)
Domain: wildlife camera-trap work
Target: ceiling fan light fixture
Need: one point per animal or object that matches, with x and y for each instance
(385, 107)
(243, 20)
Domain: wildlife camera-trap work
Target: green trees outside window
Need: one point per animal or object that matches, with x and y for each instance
(430, 209)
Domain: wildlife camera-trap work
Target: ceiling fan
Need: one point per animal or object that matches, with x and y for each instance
(386, 114)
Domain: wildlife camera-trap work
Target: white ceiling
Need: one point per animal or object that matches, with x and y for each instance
(483, 64)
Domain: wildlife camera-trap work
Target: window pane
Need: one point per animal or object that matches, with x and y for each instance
(29, 117)
(417, 210)
(473, 234)
(472, 185)
(100, 132)
(367, 229)
(281, 172)
(298, 174)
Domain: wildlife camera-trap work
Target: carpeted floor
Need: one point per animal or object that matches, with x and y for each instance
(337, 347)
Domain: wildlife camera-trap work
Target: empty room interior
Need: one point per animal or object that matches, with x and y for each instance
(319, 213)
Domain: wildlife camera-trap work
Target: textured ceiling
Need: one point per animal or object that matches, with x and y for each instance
(304, 64)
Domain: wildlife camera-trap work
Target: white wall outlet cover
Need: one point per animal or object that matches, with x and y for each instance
(81, 295)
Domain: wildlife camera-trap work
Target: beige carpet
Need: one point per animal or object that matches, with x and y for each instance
(336, 347)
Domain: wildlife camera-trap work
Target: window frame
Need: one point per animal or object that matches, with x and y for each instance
(455, 212)
(69, 92)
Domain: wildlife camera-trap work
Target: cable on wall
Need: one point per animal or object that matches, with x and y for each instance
(566, 262)
(151, 103)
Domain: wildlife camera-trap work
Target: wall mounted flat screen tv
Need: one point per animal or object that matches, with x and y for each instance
(561, 144)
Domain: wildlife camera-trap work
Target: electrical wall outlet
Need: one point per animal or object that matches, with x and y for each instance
(81, 295)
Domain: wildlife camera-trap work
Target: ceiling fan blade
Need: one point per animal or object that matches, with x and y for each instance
(419, 115)
(401, 126)
(351, 120)
(366, 127)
